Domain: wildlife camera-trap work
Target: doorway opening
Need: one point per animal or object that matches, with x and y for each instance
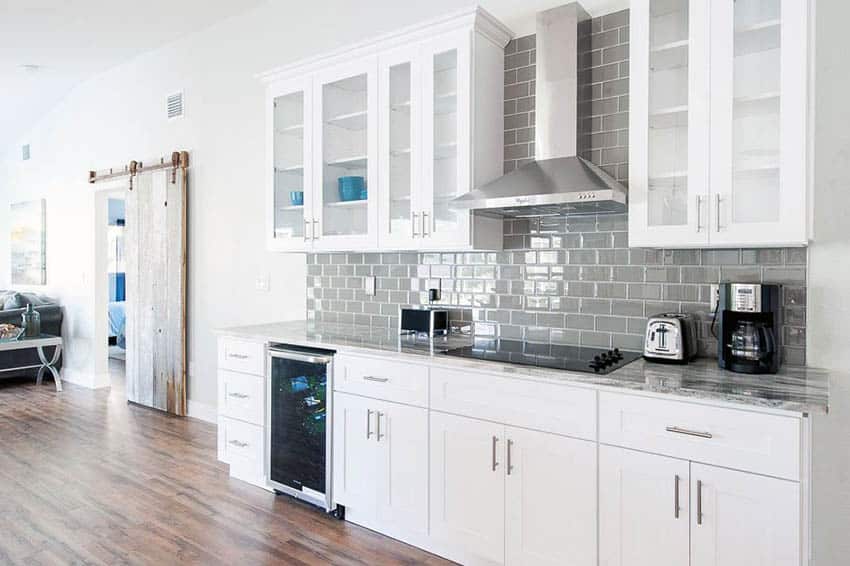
(117, 289)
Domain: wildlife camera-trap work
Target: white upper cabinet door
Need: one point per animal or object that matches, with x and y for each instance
(355, 454)
(643, 509)
(550, 499)
(669, 121)
(467, 489)
(758, 117)
(289, 192)
(446, 145)
(741, 519)
(400, 148)
(401, 432)
(345, 146)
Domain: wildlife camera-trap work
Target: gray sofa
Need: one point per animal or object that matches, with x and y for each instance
(12, 306)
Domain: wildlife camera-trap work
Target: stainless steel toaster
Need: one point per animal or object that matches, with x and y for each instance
(423, 321)
(670, 337)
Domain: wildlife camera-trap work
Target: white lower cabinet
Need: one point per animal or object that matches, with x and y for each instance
(643, 509)
(742, 519)
(505, 495)
(660, 510)
(380, 468)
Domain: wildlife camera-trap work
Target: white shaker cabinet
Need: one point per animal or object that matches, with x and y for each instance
(381, 464)
(407, 122)
(643, 508)
(718, 95)
(742, 519)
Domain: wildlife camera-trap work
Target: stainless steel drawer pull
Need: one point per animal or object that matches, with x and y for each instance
(676, 497)
(425, 230)
(238, 395)
(238, 443)
(238, 356)
(378, 434)
(378, 379)
(494, 463)
(508, 463)
(413, 224)
(699, 502)
(678, 430)
(368, 423)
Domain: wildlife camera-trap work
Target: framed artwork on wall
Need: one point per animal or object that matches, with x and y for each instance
(29, 261)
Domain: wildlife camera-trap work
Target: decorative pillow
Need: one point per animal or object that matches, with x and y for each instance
(15, 301)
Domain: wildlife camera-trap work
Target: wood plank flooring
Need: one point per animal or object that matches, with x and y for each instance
(86, 478)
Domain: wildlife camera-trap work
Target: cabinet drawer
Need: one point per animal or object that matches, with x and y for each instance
(241, 446)
(241, 397)
(756, 442)
(382, 379)
(549, 407)
(241, 356)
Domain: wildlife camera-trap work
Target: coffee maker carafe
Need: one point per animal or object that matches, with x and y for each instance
(748, 324)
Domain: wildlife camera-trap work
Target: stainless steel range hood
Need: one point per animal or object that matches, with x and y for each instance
(559, 181)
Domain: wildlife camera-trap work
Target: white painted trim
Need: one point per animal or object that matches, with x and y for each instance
(202, 411)
(471, 16)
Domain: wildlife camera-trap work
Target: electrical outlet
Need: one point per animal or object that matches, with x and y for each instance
(369, 285)
(262, 283)
(715, 296)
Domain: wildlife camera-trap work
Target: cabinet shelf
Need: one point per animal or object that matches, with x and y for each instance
(445, 150)
(291, 207)
(296, 130)
(401, 106)
(355, 121)
(290, 169)
(355, 162)
(758, 26)
(761, 97)
(669, 45)
(401, 152)
(347, 203)
(445, 103)
(668, 175)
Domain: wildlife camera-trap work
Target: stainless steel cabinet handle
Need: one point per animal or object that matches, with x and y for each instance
(315, 229)
(508, 463)
(414, 223)
(425, 224)
(378, 434)
(306, 230)
(494, 463)
(237, 395)
(699, 213)
(699, 502)
(679, 430)
(238, 443)
(378, 379)
(238, 356)
(368, 424)
(717, 212)
(676, 497)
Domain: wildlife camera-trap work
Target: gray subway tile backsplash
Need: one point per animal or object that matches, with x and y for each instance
(570, 280)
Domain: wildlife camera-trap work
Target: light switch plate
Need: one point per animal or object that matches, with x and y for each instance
(715, 296)
(262, 283)
(369, 285)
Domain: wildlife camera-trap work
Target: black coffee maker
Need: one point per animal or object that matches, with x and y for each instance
(748, 317)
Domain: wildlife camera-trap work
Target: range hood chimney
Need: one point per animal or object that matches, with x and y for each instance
(560, 181)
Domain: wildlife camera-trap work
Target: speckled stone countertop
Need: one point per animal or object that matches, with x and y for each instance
(796, 389)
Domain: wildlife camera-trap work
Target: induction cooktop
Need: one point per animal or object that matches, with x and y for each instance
(553, 356)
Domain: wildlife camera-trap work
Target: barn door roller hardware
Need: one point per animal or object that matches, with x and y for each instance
(177, 160)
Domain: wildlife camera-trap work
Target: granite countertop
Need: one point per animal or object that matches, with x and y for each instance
(796, 389)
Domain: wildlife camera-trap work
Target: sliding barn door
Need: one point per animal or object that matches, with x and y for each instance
(156, 291)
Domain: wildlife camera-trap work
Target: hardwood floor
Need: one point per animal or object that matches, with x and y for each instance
(86, 478)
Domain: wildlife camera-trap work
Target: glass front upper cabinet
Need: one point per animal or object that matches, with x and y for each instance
(291, 193)
(346, 147)
(758, 116)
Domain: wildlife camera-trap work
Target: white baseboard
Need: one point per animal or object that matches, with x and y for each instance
(83, 378)
(203, 412)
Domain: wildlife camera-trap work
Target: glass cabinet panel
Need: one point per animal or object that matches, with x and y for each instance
(345, 157)
(667, 198)
(756, 111)
(400, 158)
(288, 141)
(445, 149)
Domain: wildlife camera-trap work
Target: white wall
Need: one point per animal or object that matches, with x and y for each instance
(119, 116)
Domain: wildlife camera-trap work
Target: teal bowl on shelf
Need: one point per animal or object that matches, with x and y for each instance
(296, 198)
(352, 188)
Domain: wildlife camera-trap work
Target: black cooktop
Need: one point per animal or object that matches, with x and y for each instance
(555, 356)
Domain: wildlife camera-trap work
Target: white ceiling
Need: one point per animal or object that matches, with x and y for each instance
(73, 40)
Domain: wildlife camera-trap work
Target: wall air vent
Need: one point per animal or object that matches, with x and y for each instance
(174, 105)
(25, 152)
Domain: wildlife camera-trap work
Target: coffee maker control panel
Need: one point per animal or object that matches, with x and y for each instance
(745, 297)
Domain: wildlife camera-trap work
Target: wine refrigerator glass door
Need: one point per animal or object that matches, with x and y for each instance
(298, 444)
